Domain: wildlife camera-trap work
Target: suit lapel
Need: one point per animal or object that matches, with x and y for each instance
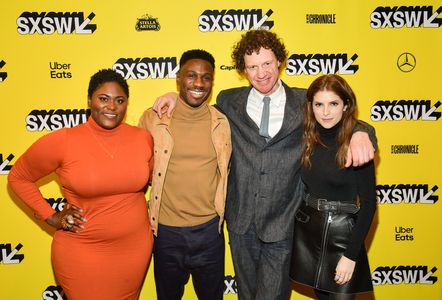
(292, 115)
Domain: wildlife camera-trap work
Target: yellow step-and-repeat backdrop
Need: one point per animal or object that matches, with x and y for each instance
(389, 51)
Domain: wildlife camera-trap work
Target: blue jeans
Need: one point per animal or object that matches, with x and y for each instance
(183, 251)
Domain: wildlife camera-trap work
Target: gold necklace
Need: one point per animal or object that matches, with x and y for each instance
(101, 144)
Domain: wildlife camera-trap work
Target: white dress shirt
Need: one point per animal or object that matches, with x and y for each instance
(277, 106)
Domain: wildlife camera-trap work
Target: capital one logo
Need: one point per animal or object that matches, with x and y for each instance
(10, 255)
(404, 275)
(142, 68)
(408, 110)
(234, 19)
(55, 22)
(406, 193)
(5, 166)
(405, 16)
(313, 64)
(3, 75)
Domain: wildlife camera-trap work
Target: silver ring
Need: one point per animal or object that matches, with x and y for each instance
(70, 220)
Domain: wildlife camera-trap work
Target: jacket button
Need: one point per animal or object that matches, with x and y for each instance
(165, 151)
(159, 174)
(156, 197)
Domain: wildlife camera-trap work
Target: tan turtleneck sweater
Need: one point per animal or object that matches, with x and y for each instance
(192, 175)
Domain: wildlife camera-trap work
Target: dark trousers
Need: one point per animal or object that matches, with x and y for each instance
(183, 251)
(261, 269)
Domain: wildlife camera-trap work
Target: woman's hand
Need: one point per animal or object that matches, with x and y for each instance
(344, 270)
(69, 219)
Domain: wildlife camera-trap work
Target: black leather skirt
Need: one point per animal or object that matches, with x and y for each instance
(320, 239)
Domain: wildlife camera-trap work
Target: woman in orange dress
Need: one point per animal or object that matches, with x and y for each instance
(103, 242)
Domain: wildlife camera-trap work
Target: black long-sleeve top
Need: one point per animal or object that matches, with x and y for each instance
(325, 180)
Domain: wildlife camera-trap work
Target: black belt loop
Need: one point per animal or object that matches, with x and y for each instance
(321, 204)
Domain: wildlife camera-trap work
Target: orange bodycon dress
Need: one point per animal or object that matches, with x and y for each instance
(104, 172)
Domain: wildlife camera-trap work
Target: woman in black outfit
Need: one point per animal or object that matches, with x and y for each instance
(333, 221)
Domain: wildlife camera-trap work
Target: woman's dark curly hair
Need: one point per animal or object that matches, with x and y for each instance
(107, 75)
(252, 41)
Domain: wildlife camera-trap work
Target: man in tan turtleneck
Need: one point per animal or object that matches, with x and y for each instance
(191, 157)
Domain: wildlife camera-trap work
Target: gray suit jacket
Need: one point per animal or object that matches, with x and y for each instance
(264, 186)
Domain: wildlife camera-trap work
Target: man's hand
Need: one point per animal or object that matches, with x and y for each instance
(165, 104)
(360, 151)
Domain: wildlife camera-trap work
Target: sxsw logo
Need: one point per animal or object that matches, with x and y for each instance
(409, 110)
(5, 166)
(3, 75)
(9, 256)
(234, 19)
(54, 293)
(55, 22)
(313, 64)
(56, 203)
(39, 120)
(404, 274)
(406, 193)
(405, 16)
(230, 285)
(142, 68)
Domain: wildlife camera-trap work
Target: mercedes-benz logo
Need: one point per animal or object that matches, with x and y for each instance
(406, 62)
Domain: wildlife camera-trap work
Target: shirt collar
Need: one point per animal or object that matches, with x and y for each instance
(276, 96)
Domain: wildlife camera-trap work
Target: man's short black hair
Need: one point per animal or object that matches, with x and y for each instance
(197, 54)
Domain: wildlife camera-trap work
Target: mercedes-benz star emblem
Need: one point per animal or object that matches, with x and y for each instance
(406, 62)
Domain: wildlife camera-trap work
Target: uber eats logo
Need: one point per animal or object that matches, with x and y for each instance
(39, 120)
(408, 110)
(55, 22)
(405, 16)
(313, 64)
(406, 193)
(234, 19)
(142, 68)
(404, 274)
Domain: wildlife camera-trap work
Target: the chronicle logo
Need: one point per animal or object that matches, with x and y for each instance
(320, 18)
(405, 149)
(39, 120)
(5, 166)
(234, 19)
(55, 22)
(313, 64)
(404, 274)
(406, 193)
(142, 68)
(406, 62)
(146, 23)
(9, 256)
(3, 75)
(54, 293)
(405, 16)
(409, 110)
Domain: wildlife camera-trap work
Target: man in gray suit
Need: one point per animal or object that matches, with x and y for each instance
(264, 185)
